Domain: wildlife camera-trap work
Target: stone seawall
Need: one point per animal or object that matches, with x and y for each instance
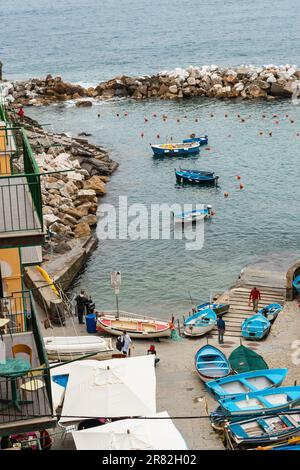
(245, 82)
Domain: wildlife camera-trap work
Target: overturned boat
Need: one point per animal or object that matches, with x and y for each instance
(64, 348)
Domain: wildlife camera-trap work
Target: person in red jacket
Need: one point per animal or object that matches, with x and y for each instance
(21, 113)
(255, 297)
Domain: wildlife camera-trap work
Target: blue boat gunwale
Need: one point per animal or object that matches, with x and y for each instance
(207, 312)
(215, 353)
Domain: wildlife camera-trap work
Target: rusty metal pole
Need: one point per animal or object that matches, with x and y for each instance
(1, 65)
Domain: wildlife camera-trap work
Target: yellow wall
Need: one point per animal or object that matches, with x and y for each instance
(11, 270)
(4, 156)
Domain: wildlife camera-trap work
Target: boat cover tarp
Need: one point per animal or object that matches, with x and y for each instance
(112, 388)
(132, 434)
(243, 359)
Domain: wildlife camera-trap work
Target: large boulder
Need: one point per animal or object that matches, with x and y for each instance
(255, 91)
(280, 90)
(90, 219)
(82, 230)
(95, 183)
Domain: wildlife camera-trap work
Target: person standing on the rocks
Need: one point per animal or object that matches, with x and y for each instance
(221, 330)
(255, 297)
(81, 303)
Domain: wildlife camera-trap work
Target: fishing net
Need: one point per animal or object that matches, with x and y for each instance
(175, 335)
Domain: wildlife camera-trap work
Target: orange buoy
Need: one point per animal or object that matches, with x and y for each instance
(145, 119)
(242, 186)
(142, 134)
(226, 194)
(212, 213)
(157, 136)
(270, 134)
(261, 133)
(238, 177)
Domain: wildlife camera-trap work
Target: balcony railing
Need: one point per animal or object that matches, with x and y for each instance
(26, 395)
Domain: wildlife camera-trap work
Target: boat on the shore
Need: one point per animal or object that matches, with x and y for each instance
(263, 401)
(270, 311)
(219, 309)
(202, 140)
(63, 348)
(243, 359)
(193, 216)
(296, 284)
(211, 363)
(246, 382)
(177, 149)
(256, 327)
(200, 322)
(137, 326)
(263, 430)
(196, 176)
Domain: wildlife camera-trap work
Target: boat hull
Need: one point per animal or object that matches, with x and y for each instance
(136, 328)
(180, 178)
(197, 331)
(256, 327)
(201, 140)
(176, 150)
(219, 309)
(73, 347)
(271, 311)
(211, 363)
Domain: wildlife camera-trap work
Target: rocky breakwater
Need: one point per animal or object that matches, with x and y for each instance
(245, 82)
(75, 176)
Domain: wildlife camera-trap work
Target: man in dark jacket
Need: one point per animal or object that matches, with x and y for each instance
(81, 303)
(221, 329)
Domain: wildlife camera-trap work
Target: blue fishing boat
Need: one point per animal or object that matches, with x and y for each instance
(173, 150)
(196, 177)
(246, 382)
(255, 327)
(200, 323)
(202, 140)
(193, 216)
(219, 309)
(296, 284)
(270, 311)
(211, 363)
(262, 430)
(263, 401)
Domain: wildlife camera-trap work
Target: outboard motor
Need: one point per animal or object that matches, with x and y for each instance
(209, 208)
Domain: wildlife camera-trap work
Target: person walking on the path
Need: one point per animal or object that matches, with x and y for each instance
(127, 342)
(255, 297)
(81, 303)
(221, 329)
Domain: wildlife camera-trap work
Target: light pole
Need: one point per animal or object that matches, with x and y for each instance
(115, 282)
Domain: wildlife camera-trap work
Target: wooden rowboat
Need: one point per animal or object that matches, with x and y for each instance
(63, 348)
(135, 325)
(211, 363)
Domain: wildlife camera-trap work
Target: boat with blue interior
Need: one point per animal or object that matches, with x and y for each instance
(219, 309)
(193, 215)
(255, 327)
(200, 322)
(296, 284)
(196, 176)
(246, 382)
(177, 149)
(270, 311)
(211, 363)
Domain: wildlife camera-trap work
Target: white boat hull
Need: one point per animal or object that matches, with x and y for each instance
(72, 347)
(198, 330)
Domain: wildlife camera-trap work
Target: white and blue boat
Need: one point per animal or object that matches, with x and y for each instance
(202, 140)
(263, 430)
(211, 363)
(200, 323)
(178, 149)
(296, 284)
(270, 311)
(219, 309)
(193, 215)
(196, 177)
(255, 327)
(263, 401)
(246, 382)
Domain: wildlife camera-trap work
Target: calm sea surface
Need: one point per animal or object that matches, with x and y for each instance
(93, 40)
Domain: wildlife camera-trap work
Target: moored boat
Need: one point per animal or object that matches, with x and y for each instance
(137, 326)
(296, 284)
(255, 327)
(263, 401)
(262, 430)
(246, 382)
(193, 216)
(200, 322)
(243, 359)
(219, 309)
(211, 363)
(177, 149)
(270, 311)
(202, 140)
(63, 348)
(196, 176)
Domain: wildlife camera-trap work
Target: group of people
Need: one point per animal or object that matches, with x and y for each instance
(84, 306)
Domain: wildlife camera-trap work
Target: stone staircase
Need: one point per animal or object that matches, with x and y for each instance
(239, 309)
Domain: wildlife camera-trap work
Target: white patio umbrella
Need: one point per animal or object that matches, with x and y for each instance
(113, 388)
(132, 434)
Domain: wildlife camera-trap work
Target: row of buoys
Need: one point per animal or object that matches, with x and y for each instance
(241, 186)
